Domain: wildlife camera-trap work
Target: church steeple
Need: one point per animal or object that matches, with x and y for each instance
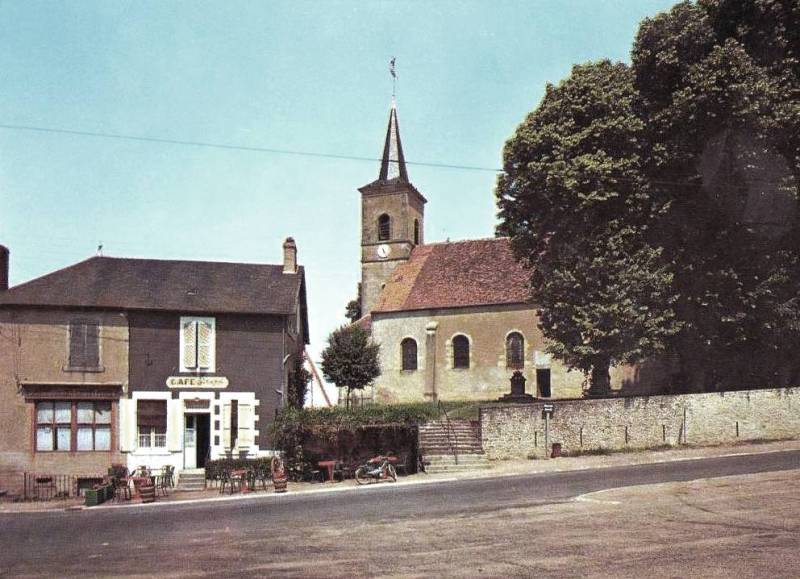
(393, 163)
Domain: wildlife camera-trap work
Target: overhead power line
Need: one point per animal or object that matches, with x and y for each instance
(229, 147)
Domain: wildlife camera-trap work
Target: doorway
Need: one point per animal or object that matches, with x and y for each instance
(543, 382)
(196, 440)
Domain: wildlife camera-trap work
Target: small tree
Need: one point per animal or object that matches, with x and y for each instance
(299, 378)
(353, 308)
(351, 359)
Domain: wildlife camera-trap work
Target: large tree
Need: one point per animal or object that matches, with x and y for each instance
(573, 199)
(351, 359)
(720, 89)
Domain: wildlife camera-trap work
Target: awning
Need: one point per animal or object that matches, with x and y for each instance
(71, 391)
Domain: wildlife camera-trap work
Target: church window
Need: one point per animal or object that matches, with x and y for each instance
(460, 352)
(416, 232)
(409, 350)
(515, 350)
(384, 228)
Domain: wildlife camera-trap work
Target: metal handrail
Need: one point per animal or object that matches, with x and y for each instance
(442, 409)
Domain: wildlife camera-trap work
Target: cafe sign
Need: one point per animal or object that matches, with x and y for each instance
(197, 382)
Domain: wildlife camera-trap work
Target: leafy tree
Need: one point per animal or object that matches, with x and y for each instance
(353, 308)
(297, 388)
(351, 359)
(575, 203)
(720, 82)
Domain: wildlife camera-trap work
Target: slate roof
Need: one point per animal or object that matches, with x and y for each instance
(476, 272)
(153, 284)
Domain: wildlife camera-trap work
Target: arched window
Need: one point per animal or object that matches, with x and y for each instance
(416, 232)
(515, 350)
(384, 228)
(409, 348)
(460, 352)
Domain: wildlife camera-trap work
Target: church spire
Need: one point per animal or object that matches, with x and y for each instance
(393, 163)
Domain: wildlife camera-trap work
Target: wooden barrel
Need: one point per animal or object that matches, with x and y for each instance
(148, 493)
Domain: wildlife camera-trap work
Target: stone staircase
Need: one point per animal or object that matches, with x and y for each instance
(449, 446)
(193, 479)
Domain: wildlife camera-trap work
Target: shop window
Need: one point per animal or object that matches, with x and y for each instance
(197, 344)
(84, 344)
(460, 352)
(151, 423)
(409, 351)
(384, 228)
(73, 425)
(515, 351)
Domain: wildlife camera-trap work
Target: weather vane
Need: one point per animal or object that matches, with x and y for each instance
(393, 72)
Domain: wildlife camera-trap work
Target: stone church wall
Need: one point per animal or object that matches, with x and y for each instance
(488, 376)
(518, 430)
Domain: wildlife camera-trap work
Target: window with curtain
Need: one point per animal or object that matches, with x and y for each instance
(515, 350)
(151, 423)
(409, 351)
(63, 425)
(460, 352)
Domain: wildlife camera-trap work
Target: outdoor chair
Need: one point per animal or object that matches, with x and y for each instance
(232, 480)
(261, 475)
(122, 489)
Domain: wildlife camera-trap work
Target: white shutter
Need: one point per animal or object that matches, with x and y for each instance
(246, 424)
(189, 335)
(174, 425)
(226, 425)
(127, 425)
(205, 339)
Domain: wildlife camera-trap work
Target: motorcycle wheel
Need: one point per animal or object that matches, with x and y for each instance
(362, 475)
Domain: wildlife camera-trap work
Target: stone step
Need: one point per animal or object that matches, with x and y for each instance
(191, 480)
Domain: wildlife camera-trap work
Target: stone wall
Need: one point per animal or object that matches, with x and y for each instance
(518, 430)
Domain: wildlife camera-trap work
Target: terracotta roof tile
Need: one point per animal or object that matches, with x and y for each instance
(456, 274)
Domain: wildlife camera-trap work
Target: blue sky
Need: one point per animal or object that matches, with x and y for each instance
(300, 76)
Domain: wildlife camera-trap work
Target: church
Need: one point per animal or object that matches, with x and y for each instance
(455, 319)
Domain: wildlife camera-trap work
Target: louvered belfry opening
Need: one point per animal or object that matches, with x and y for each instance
(384, 228)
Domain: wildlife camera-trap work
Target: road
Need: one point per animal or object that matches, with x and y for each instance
(490, 526)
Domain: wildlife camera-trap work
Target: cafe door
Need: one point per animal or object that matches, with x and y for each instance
(190, 441)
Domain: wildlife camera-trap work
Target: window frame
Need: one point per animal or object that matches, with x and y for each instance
(212, 349)
(406, 357)
(73, 425)
(384, 227)
(515, 359)
(83, 361)
(148, 435)
(458, 360)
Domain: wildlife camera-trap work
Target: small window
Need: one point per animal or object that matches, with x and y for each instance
(409, 349)
(515, 350)
(384, 228)
(198, 345)
(460, 352)
(151, 422)
(416, 232)
(84, 344)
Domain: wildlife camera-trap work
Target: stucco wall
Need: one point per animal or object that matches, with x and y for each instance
(518, 430)
(34, 350)
(488, 376)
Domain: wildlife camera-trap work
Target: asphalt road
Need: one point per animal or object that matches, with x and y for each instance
(301, 534)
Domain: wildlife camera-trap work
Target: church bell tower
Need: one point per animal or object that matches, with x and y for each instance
(392, 218)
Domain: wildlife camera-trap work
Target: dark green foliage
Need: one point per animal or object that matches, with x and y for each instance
(658, 205)
(305, 436)
(353, 308)
(297, 386)
(576, 205)
(351, 358)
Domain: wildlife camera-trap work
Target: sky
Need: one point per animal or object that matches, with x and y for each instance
(289, 77)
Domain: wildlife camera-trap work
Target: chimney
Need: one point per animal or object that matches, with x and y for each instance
(289, 256)
(3, 268)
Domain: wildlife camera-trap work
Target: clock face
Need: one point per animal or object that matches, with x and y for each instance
(384, 251)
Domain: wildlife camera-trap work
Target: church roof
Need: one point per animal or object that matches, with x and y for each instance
(476, 272)
(393, 162)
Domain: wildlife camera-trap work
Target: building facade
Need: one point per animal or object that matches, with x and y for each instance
(145, 362)
(456, 319)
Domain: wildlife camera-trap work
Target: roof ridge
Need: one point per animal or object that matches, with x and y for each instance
(449, 242)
